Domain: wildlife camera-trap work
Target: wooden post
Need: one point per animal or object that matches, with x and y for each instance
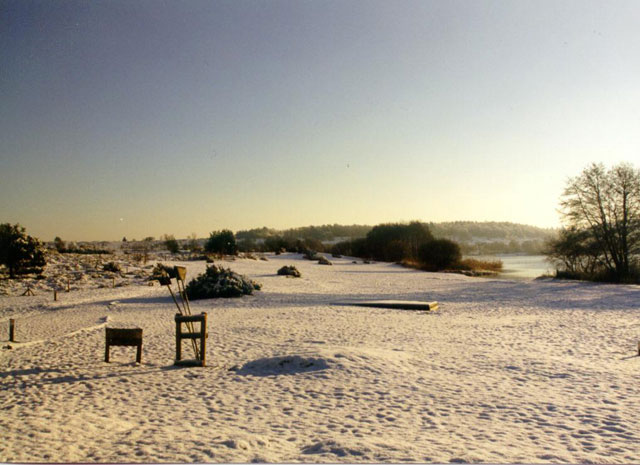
(178, 338)
(203, 339)
(12, 327)
(55, 295)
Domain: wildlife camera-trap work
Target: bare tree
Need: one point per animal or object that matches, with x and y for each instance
(142, 248)
(171, 243)
(192, 245)
(605, 204)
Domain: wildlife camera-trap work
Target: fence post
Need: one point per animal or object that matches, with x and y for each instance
(12, 327)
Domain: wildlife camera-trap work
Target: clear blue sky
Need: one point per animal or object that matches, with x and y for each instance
(137, 118)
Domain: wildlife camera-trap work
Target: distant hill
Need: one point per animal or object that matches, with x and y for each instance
(475, 238)
(491, 237)
(469, 231)
(324, 233)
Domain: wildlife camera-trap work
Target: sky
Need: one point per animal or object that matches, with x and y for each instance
(143, 118)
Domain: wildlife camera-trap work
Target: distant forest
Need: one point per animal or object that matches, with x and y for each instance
(474, 238)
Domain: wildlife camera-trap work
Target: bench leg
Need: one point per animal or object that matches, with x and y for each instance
(178, 341)
(106, 352)
(139, 353)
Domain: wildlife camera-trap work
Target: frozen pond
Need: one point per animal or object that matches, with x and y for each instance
(517, 266)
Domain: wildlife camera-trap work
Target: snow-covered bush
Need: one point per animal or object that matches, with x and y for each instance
(322, 260)
(289, 271)
(217, 281)
(112, 267)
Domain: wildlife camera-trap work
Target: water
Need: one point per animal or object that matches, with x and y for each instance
(515, 266)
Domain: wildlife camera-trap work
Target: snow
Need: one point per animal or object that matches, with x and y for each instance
(504, 371)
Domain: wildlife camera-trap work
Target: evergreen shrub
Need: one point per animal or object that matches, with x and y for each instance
(222, 242)
(20, 253)
(289, 271)
(217, 281)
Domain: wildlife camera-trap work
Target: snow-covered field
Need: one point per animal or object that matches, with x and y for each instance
(504, 371)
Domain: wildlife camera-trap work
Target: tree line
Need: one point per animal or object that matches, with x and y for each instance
(599, 240)
(410, 243)
(474, 238)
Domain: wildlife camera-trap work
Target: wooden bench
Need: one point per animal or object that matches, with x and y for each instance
(395, 304)
(124, 337)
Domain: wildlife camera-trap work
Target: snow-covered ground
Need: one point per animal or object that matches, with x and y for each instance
(504, 371)
(78, 272)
